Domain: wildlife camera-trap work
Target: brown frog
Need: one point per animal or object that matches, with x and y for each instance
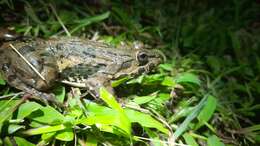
(74, 61)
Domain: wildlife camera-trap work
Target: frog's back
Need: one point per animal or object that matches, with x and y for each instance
(19, 73)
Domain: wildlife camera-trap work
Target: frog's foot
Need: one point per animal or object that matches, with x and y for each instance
(94, 84)
(46, 98)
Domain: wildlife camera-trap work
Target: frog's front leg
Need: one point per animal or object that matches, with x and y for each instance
(94, 84)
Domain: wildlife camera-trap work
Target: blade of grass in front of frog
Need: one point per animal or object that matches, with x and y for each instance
(159, 141)
(5, 114)
(60, 21)
(11, 95)
(124, 122)
(27, 62)
(184, 125)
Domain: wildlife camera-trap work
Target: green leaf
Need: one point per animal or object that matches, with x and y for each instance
(22, 142)
(257, 138)
(188, 78)
(7, 108)
(44, 129)
(60, 93)
(110, 119)
(65, 135)
(31, 13)
(166, 66)
(122, 17)
(235, 41)
(154, 136)
(107, 123)
(184, 125)
(91, 140)
(7, 141)
(120, 81)
(144, 99)
(87, 21)
(27, 108)
(147, 79)
(137, 80)
(123, 122)
(2, 81)
(214, 63)
(106, 119)
(13, 128)
(95, 109)
(168, 81)
(252, 128)
(145, 120)
(47, 115)
(207, 111)
(214, 141)
(48, 136)
(190, 140)
(181, 113)
(110, 100)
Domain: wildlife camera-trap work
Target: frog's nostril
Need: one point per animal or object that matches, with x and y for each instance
(5, 67)
(141, 70)
(11, 78)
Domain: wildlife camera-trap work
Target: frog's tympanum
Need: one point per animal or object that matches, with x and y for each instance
(74, 61)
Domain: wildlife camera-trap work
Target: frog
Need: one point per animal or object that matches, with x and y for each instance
(74, 61)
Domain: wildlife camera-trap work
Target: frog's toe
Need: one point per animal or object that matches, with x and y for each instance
(46, 98)
(93, 87)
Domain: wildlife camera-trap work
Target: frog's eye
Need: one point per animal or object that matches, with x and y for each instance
(142, 57)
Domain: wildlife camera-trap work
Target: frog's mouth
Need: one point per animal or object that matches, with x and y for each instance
(144, 69)
(139, 68)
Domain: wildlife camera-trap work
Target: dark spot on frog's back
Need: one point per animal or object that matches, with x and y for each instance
(89, 54)
(11, 78)
(46, 54)
(81, 70)
(26, 49)
(52, 65)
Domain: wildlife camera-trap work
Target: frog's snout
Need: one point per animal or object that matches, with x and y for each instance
(160, 56)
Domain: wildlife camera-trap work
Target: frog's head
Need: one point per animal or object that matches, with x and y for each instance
(142, 61)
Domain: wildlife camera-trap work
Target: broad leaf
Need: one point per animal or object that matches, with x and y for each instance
(106, 119)
(144, 99)
(13, 128)
(65, 135)
(207, 111)
(188, 78)
(47, 115)
(214, 141)
(7, 108)
(22, 142)
(60, 93)
(27, 108)
(123, 121)
(190, 140)
(91, 140)
(2, 81)
(145, 120)
(44, 129)
(168, 81)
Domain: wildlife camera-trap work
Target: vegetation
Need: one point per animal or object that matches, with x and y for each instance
(205, 93)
